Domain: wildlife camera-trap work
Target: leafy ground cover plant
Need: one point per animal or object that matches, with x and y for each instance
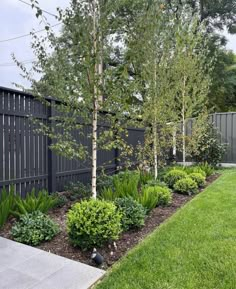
(7, 200)
(198, 178)
(186, 186)
(92, 223)
(173, 176)
(41, 201)
(133, 213)
(34, 228)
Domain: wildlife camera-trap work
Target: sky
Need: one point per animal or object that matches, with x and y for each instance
(16, 19)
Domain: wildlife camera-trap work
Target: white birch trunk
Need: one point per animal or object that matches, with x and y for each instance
(155, 150)
(183, 124)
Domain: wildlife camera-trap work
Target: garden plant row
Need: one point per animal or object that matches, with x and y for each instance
(125, 201)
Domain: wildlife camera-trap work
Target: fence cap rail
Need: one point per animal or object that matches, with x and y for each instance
(16, 91)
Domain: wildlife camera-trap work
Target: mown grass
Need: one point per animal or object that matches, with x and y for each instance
(194, 249)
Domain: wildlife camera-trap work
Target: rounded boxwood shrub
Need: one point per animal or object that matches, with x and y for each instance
(34, 228)
(198, 178)
(186, 186)
(133, 213)
(92, 223)
(199, 171)
(173, 176)
(164, 196)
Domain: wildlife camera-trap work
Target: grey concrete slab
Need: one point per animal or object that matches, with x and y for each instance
(12, 279)
(72, 276)
(42, 265)
(25, 267)
(13, 253)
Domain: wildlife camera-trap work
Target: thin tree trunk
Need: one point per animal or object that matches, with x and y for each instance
(174, 143)
(155, 149)
(155, 124)
(95, 101)
(183, 124)
(184, 144)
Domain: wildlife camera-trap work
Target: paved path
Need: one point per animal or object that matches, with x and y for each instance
(24, 267)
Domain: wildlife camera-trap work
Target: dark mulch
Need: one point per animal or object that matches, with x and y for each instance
(60, 245)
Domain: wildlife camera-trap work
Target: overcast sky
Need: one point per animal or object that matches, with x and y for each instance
(17, 18)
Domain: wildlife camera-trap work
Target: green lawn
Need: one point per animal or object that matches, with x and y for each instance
(196, 248)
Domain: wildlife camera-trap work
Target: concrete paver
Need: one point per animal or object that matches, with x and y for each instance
(25, 267)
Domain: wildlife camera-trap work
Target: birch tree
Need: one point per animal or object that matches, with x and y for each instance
(191, 72)
(74, 69)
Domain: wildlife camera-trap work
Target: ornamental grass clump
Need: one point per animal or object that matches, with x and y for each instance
(186, 186)
(92, 223)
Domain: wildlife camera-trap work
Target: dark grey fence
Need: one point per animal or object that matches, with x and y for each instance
(226, 125)
(25, 158)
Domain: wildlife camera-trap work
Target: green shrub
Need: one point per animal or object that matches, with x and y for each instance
(205, 144)
(92, 223)
(186, 186)
(60, 200)
(133, 213)
(198, 178)
(7, 201)
(78, 191)
(34, 228)
(173, 176)
(164, 196)
(148, 198)
(42, 202)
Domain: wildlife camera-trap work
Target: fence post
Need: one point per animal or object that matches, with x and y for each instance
(51, 156)
(117, 162)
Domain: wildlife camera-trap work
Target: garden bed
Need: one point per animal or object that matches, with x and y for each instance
(60, 244)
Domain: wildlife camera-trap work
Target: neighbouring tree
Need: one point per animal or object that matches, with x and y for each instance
(217, 14)
(205, 143)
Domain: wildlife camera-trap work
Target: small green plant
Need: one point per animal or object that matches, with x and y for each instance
(133, 213)
(108, 195)
(198, 178)
(34, 228)
(148, 198)
(78, 191)
(145, 177)
(60, 200)
(126, 184)
(173, 176)
(164, 196)
(194, 169)
(104, 181)
(186, 186)
(153, 183)
(208, 169)
(7, 200)
(93, 222)
(42, 202)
